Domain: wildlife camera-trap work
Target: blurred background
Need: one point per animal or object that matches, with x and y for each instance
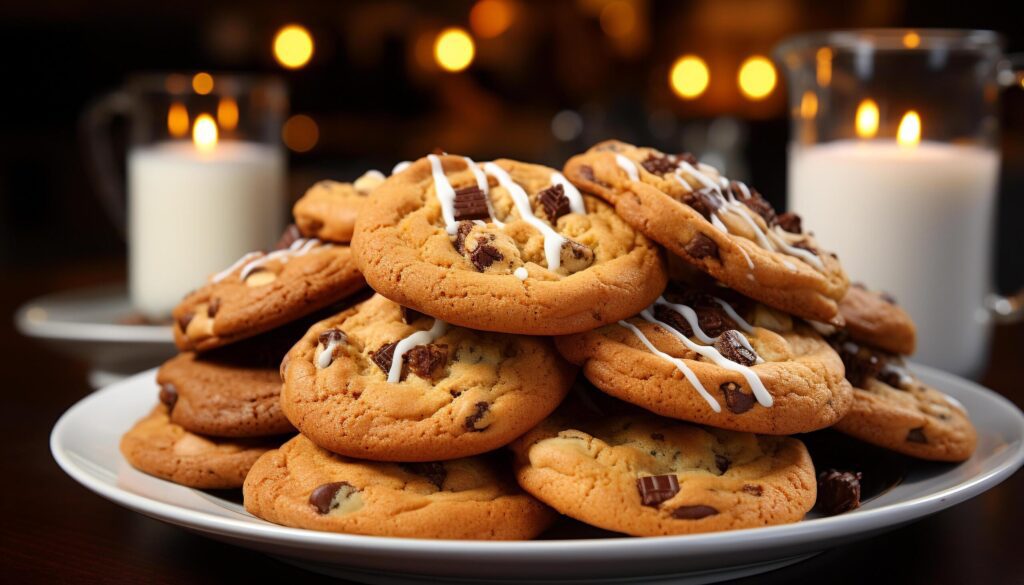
(373, 83)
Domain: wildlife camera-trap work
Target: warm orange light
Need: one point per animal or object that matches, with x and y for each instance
(293, 46)
(454, 49)
(757, 77)
(300, 133)
(909, 132)
(177, 120)
(867, 119)
(808, 105)
(204, 133)
(227, 113)
(911, 40)
(824, 69)
(491, 18)
(689, 77)
(618, 18)
(202, 83)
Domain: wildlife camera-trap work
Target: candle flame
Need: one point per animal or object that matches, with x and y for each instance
(824, 69)
(204, 133)
(867, 119)
(809, 105)
(909, 133)
(177, 120)
(227, 113)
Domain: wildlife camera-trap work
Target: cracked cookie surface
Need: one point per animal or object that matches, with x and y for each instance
(649, 476)
(328, 210)
(305, 486)
(503, 246)
(455, 392)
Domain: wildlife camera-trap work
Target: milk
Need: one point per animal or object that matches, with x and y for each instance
(192, 213)
(915, 221)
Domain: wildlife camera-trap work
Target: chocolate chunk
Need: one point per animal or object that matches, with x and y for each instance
(722, 463)
(554, 202)
(168, 395)
(693, 512)
(424, 360)
(462, 230)
(434, 472)
(438, 151)
(322, 498)
(713, 321)
(736, 399)
(658, 436)
(575, 256)
(587, 172)
(838, 491)
(672, 318)
(806, 245)
(655, 489)
(288, 237)
(660, 165)
(484, 255)
(754, 490)
(184, 320)
(790, 222)
(861, 363)
(730, 345)
(701, 247)
(754, 201)
(917, 436)
(687, 158)
(470, 203)
(704, 201)
(384, 356)
(213, 307)
(410, 315)
(481, 410)
(335, 335)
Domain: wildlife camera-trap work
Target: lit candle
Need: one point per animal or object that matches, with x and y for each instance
(194, 208)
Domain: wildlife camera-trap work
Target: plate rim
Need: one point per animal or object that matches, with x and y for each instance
(797, 533)
(79, 331)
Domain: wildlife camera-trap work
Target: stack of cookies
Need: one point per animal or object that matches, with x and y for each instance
(634, 343)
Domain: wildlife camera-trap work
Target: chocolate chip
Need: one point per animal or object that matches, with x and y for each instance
(730, 345)
(335, 335)
(434, 472)
(184, 320)
(736, 399)
(660, 165)
(322, 498)
(384, 356)
(410, 315)
(484, 255)
(655, 489)
(658, 436)
(481, 410)
(554, 202)
(463, 229)
(790, 222)
(168, 395)
(722, 463)
(693, 512)
(213, 307)
(713, 321)
(470, 203)
(423, 360)
(701, 247)
(892, 377)
(806, 245)
(672, 318)
(288, 237)
(861, 363)
(838, 491)
(576, 256)
(438, 151)
(688, 158)
(754, 201)
(754, 490)
(587, 172)
(917, 436)
(703, 201)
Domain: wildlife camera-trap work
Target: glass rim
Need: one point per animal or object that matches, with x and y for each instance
(179, 83)
(892, 39)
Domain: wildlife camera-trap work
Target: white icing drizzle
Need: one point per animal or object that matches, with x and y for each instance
(400, 167)
(678, 363)
(747, 327)
(808, 257)
(553, 241)
(326, 356)
(521, 273)
(691, 317)
(224, 273)
(418, 338)
(750, 263)
(571, 192)
(445, 193)
(373, 174)
(956, 403)
(628, 166)
(299, 247)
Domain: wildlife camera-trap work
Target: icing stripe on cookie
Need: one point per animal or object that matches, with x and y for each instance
(418, 338)
(678, 363)
(227, 271)
(445, 193)
(553, 241)
(299, 247)
(400, 167)
(571, 192)
(628, 166)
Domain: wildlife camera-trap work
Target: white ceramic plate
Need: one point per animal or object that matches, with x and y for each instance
(85, 444)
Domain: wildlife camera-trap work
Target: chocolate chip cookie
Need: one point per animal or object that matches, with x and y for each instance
(157, 446)
(503, 246)
(262, 291)
(713, 357)
(723, 227)
(329, 209)
(649, 476)
(305, 486)
(875, 319)
(386, 383)
(894, 410)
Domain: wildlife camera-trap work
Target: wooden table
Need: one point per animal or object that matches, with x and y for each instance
(54, 530)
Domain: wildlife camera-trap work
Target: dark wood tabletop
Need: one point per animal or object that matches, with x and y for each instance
(54, 530)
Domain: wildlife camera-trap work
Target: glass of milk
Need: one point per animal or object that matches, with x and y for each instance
(205, 176)
(893, 163)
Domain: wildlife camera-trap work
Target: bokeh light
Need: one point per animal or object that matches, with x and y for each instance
(618, 18)
(454, 49)
(566, 125)
(177, 120)
(227, 113)
(204, 133)
(202, 83)
(689, 77)
(293, 46)
(824, 66)
(808, 105)
(911, 40)
(757, 77)
(491, 18)
(909, 132)
(867, 119)
(300, 133)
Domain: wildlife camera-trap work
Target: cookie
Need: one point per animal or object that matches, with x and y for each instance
(894, 410)
(385, 383)
(157, 446)
(875, 319)
(329, 209)
(722, 227)
(262, 291)
(713, 357)
(304, 486)
(503, 246)
(649, 476)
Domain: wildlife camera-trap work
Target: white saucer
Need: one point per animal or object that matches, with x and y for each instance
(85, 444)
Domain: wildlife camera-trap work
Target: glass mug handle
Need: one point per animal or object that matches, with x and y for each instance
(99, 151)
(1009, 309)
